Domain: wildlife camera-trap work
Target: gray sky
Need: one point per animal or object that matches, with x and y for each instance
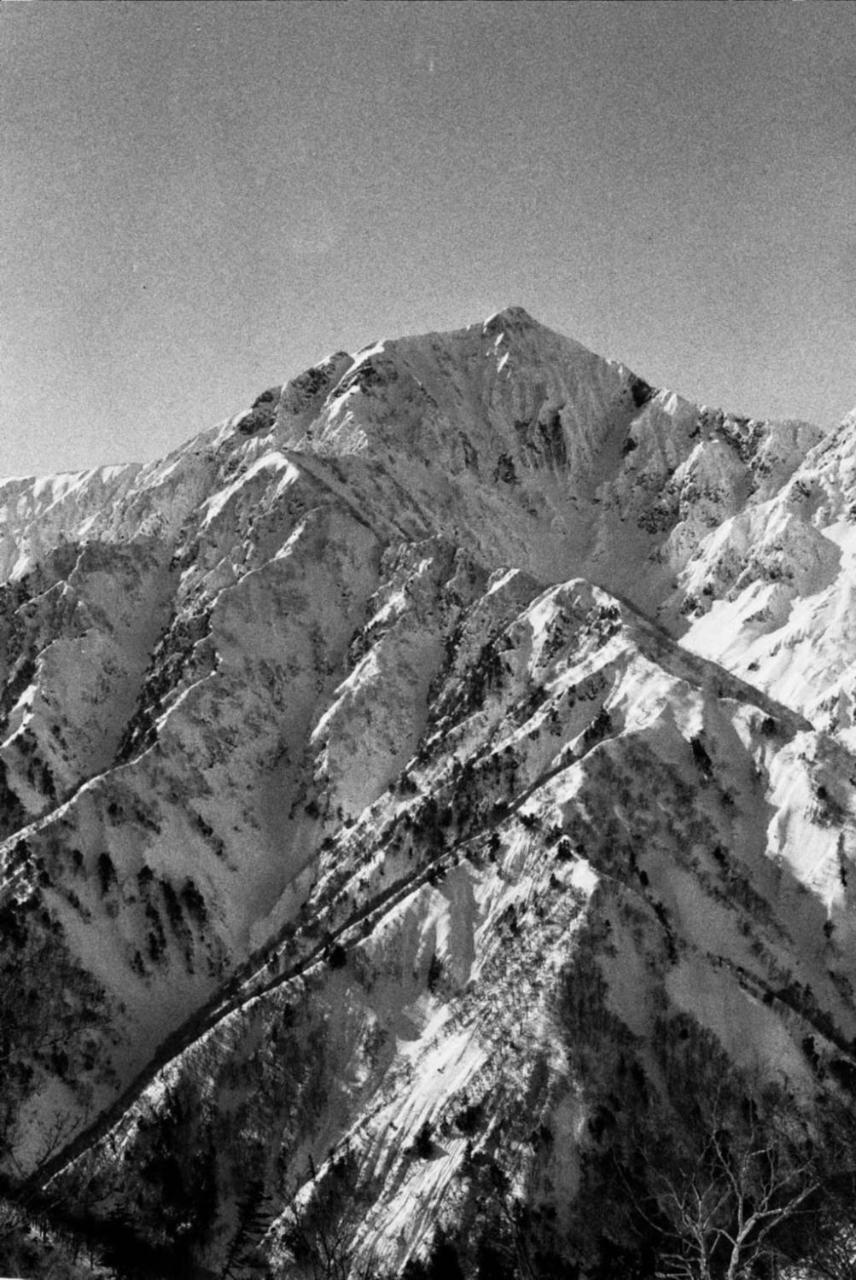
(198, 200)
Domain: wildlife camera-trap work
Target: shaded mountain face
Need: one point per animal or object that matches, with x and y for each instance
(408, 788)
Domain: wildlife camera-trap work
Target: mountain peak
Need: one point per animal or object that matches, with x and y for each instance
(512, 317)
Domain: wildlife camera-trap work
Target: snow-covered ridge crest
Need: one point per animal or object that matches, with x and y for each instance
(504, 422)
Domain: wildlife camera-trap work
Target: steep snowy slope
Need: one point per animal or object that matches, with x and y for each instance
(318, 789)
(512, 935)
(779, 585)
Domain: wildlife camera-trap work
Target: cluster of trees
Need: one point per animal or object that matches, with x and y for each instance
(753, 1193)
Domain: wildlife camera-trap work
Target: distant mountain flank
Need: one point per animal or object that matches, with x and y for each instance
(420, 794)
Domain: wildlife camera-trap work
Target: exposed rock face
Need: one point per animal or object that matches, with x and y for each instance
(405, 782)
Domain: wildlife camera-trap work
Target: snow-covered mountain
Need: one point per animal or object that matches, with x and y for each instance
(406, 787)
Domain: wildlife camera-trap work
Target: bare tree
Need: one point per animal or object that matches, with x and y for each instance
(724, 1207)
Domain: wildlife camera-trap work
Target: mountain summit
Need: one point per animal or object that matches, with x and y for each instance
(420, 793)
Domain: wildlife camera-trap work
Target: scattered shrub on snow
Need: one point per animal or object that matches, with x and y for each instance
(435, 972)
(423, 1143)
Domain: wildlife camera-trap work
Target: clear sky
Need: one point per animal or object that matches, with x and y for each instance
(198, 200)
